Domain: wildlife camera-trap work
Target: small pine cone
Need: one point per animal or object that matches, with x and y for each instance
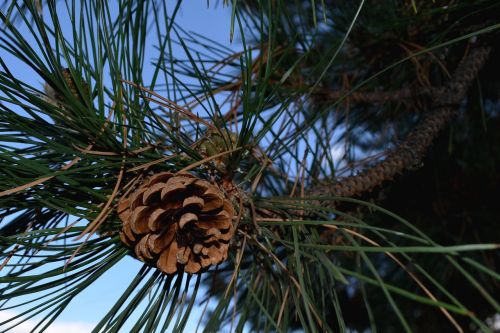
(177, 222)
(215, 143)
(54, 96)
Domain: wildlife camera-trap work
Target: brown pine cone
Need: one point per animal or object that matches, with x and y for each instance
(177, 222)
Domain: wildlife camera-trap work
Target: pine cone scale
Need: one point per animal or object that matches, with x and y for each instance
(187, 218)
(167, 262)
(142, 249)
(154, 222)
(128, 233)
(193, 202)
(123, 210)
(171, 190)
(136, 199)
(139, 220)
(148, 195)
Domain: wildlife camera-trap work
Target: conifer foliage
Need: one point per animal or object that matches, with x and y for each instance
(334, 169)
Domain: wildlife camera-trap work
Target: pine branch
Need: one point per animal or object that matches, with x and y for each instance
(410, 152)
(378, 96)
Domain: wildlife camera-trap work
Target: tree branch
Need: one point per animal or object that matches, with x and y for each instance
(377, 96)
(410, 152)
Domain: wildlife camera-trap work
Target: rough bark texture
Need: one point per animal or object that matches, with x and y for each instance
(410, 152)
(377, 96)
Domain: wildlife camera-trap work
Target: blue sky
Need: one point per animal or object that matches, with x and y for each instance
(91, 305)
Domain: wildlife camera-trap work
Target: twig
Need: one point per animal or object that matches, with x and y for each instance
(169, 104)
(205, 160)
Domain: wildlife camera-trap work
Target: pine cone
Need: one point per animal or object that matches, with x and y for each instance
(177, 222)
(215, 143)
(54, 96)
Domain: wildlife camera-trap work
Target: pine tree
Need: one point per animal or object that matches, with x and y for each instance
(339, 173)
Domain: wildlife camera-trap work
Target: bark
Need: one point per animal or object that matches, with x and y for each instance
(410, 152)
